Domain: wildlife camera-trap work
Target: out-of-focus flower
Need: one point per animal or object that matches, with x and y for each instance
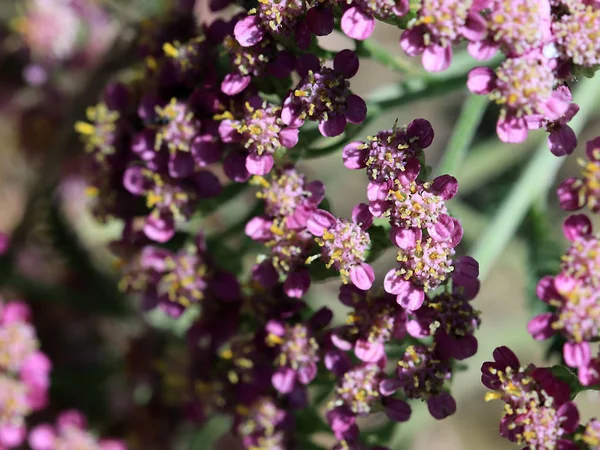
(584, 191)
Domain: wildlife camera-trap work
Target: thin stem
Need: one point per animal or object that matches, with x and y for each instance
(374, 50)
(535, 182)
(463, 134)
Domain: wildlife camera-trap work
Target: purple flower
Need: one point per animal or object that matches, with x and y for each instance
(103, 134)
(562, 139)
(389, 156)
(582, 260)
(538, 413)
(344, 244)
(424, 264)
(69, 432)
(168, 199)
(288, 195)
(298, 350)
(591, 435)
(576, 193)
(515, 27)
(281, 19)
(522, 86)
(452, 321)
(261, 131)
(180, 127)
(358, 21)
(323, 95)
(439, 24)
(264, 424)
(376, 319)
(421, 374)
(254, 61)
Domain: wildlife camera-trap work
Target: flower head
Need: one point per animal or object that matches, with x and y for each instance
(344, 244)
(439, 24)
(421, 374)
(323, 95)
(261, 131)
(577, 34)
(390, 155)
(516, 27)
(538, 412)
(522, 86)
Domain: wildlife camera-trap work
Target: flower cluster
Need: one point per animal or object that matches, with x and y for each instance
(24, 372)
(290, 202)
(69, 432)
(538, 410)
(74, 33)
(574, 295)
(420, 224)
(584, 191)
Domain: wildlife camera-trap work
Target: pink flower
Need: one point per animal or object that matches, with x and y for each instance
(358, 21)
(562, 139)
(522, 86)
(576, 34)
(439, 24)
(515, 27)
(323, 95)
(344, 244)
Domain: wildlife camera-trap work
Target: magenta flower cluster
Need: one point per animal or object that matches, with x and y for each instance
(24, 385)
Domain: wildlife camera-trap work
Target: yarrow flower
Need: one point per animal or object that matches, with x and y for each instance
(561, 137)
(289, 202)
(439, 25)
(375, 320)
(522, 86)
(323, 95)
(389, 156)
(576, 34)
(344, 244)
(356, 395)
(24, 372)
(262, 132)
(298, 350)
(575, 295)
(515, 27)
(584, 191)
(281, 19)
(538, 413)
(422, 374)
(69, 432)
(167, 198)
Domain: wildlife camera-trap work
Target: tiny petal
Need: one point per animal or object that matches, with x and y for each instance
(247, 31)
(356, 24)
(362, 276)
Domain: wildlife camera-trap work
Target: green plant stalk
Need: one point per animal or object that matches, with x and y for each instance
(535, 182)
(374, 50)
(463, 134)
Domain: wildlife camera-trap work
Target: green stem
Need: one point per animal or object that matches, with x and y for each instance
(374, 50)
(535, 182)
(463, 134)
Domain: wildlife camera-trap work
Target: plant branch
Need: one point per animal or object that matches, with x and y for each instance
(463, 134)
